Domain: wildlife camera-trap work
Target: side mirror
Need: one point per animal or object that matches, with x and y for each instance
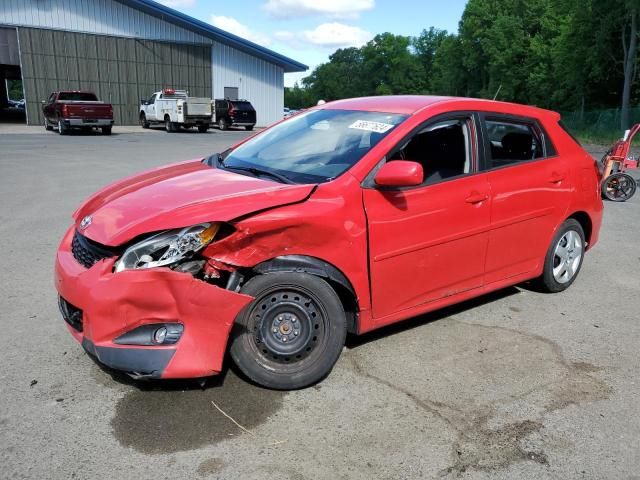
(400, 173)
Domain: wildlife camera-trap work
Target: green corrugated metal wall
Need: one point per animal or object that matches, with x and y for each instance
(120, 71)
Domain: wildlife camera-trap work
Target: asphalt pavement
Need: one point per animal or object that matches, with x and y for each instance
(516, 384)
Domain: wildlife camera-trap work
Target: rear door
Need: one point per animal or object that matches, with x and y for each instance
(531, 192)
(429, 242)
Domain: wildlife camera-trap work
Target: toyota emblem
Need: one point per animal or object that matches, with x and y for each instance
(86, 221)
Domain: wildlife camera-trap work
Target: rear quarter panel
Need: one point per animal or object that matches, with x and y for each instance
(585, 178)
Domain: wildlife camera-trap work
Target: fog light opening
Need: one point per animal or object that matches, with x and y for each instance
(160, 335)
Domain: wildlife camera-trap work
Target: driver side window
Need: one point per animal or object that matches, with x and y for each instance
(444, 149)
(152, 100)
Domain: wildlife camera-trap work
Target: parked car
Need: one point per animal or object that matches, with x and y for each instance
(290, 112)
(348, 217)
(175, 109)
(19, 104)
(76, 109)
(234, 113)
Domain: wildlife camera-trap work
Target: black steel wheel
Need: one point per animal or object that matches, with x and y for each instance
(293, 332)
(143, 121)
(168, 125)
(619, 187)
(203, 128)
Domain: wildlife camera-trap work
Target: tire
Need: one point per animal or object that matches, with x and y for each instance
(564, 258)
(168, 125)
(106, 130)
(203, 128)
(47, 127)
(310, 330)
(222, 124)
(143, 121)
(618, 187)
(248, 128)
(62, 130)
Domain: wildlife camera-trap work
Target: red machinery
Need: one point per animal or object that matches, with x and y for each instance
(617, 185)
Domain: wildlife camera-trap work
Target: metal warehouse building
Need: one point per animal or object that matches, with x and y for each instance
(124, 50)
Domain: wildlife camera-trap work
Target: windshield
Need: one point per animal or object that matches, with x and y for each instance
(77, 97)
(315, 146)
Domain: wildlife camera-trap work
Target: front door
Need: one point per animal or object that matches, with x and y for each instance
(429, 242)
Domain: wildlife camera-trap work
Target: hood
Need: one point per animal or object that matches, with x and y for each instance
(177, 196)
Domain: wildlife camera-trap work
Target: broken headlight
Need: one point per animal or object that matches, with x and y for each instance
(167, 248)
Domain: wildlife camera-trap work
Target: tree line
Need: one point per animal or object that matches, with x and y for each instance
(567, 55)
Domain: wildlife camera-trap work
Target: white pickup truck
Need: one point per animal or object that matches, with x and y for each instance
(176, 109)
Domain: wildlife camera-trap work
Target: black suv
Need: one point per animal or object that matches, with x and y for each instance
(238, 113)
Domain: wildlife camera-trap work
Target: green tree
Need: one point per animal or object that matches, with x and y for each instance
(448, 74)
(559, 54)
(391, 67)
(297, 98)
(426, 46)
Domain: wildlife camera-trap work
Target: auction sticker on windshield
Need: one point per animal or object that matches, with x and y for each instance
(369, 126)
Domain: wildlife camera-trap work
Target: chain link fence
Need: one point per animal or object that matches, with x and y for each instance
(598, 126)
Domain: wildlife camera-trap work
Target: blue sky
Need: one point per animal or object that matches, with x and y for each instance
(310, 30)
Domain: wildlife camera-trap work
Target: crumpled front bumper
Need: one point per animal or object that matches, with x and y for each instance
(114, 303)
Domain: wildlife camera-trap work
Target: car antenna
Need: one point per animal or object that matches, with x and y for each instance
(496, 95)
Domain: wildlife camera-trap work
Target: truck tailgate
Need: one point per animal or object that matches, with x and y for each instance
(87, 110)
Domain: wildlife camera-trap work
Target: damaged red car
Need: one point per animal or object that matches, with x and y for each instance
(348, 217)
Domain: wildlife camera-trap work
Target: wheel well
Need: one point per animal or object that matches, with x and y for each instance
(167, 117)
(314, 266)
(584, 220)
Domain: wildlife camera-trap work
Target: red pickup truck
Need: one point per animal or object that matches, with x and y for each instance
(76, 109)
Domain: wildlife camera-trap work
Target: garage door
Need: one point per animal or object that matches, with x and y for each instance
(120, 71)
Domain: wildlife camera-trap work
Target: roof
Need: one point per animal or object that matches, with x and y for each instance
(401, 104)
(410, 104)
(209, 31)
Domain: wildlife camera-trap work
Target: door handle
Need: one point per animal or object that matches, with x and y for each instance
(556, 178)
(476, 197)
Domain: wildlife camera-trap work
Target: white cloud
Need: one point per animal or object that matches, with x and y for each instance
(178, 3)
(304, 8)
(231, 25)
(328, 35)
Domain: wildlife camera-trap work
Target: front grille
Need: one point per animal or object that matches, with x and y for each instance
(87, 252)
(71, 314)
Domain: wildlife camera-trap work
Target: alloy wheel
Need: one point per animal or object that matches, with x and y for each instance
(567, 256)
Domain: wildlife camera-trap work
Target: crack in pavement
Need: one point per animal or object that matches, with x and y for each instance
(486, 438)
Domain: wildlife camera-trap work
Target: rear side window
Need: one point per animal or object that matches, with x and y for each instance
(512, 142)
(77, 97)
(568, 132)
(242, 106)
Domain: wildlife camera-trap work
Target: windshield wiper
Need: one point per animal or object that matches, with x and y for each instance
(257, 172)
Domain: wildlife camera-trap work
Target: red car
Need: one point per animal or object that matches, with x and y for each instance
(348, 217)
(76, 109)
